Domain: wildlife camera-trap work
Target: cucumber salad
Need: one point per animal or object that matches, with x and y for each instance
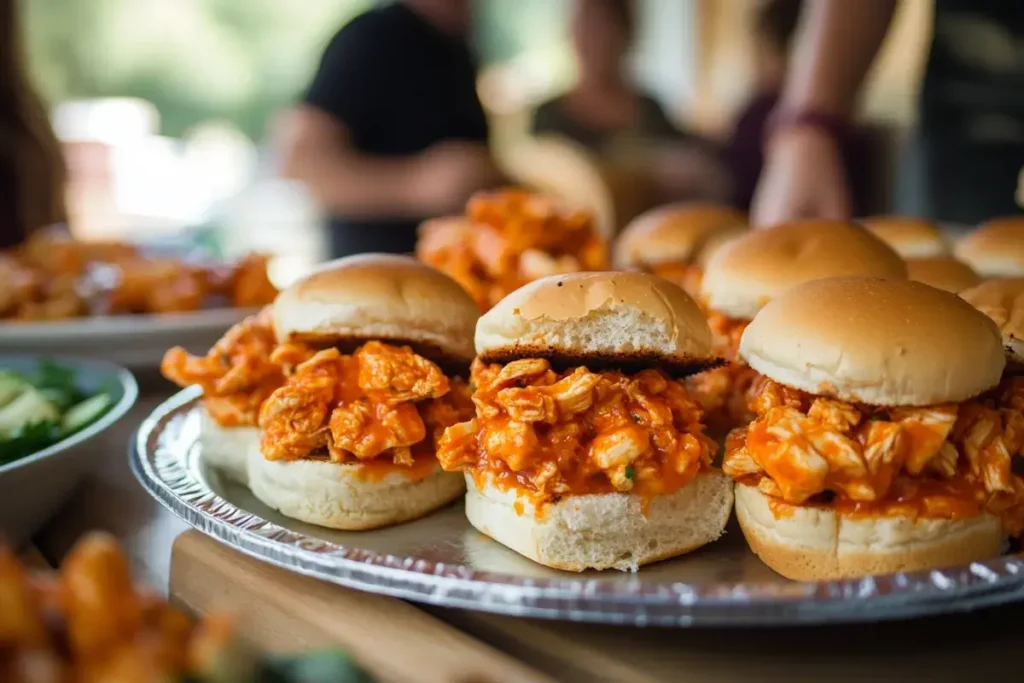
(45, 407)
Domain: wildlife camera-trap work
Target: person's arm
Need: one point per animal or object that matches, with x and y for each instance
(317, 150)
(803, 176)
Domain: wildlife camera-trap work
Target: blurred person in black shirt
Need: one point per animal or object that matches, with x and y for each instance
(391, 130)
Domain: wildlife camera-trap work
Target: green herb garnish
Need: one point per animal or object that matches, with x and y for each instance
(630, 473)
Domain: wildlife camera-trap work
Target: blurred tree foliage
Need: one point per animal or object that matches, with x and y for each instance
(195, 60)
(238, 60)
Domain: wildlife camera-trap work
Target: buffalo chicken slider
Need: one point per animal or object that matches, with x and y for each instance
(1002, 300)
(909, 237)
(996, 248)
(237, 375)
(675, 241)
(751, 271)
(877, 444)
(373, 347)
(585, 451)
(942, 272)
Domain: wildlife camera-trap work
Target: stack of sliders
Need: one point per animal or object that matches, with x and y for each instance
(882, 440)
(373, 348)
(676, 241)
(922, 245)
(586, 450)
(754, 269)
(995, 248)
(236, 376)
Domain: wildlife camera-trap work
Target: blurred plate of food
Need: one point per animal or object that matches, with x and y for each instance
(89, 621)
(120, 301)
(48, 409)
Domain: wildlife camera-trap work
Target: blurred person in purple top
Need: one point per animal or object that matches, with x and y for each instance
(775, 24)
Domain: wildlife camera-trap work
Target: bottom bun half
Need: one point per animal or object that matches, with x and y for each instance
(604, 531)
(816, 543)
(334, 495)
(227, 448)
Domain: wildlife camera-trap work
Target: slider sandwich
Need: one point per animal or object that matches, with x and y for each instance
(676, 241)
(1002, 300)
(586, 452)
(909, 237)
(237, 375)
(882, 441)
(374, 349)
(754, 269)
(942, 272)
(995, 248)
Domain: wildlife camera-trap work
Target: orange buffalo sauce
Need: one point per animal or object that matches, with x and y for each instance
(547, 434)
(724, 392)
(945, 461)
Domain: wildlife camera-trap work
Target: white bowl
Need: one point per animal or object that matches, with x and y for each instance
(33, 488)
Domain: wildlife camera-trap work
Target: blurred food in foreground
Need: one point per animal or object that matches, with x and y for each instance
(676, 241)
(89, 623)
(508, 238)
(53, 277)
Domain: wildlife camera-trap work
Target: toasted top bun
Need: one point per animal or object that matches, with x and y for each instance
(749, 272)
(942, 272)
(1002, 300)
(623, 319)
(996, 248)
(676, 233)
(881, 342)
(909, 237)
(380, 296)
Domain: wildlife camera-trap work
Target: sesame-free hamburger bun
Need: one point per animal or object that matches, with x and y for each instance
(394, 299)
(390, 298)
(875, 341)
(996, 248)
(942, 272)
(677, 233)
(749, 272)
(227, 448)
(909, 237)
(882, 343)
(1002, 300)
(618, 319)
(816, 543)
(625, 321)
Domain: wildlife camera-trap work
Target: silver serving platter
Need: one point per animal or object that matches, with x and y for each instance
(442, 560)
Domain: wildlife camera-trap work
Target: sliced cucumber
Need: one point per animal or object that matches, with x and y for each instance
(86, 412)
(11, 385)
(29, 408)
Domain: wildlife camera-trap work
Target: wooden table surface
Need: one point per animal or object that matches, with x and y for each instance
(983, 646)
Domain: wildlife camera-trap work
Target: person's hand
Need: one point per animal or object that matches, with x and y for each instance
(803, 177)
(449, 172)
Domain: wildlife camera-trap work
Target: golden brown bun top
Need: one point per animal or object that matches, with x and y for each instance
(1002, 300)
(909, 237)
(942, 272)
(676, 233)
(875, 341)
(752, 270)
(380, 296)
(996, 248)
(626, 320)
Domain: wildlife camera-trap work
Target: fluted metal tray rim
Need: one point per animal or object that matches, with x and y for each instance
(637, 601)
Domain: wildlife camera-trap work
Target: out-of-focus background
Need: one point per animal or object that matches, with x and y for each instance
(166, 107)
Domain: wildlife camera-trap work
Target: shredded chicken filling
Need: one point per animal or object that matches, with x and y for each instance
(237, 375)
(382, 403)
(725, 392)
(510, 238)
(944, 461)
(553, 434)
